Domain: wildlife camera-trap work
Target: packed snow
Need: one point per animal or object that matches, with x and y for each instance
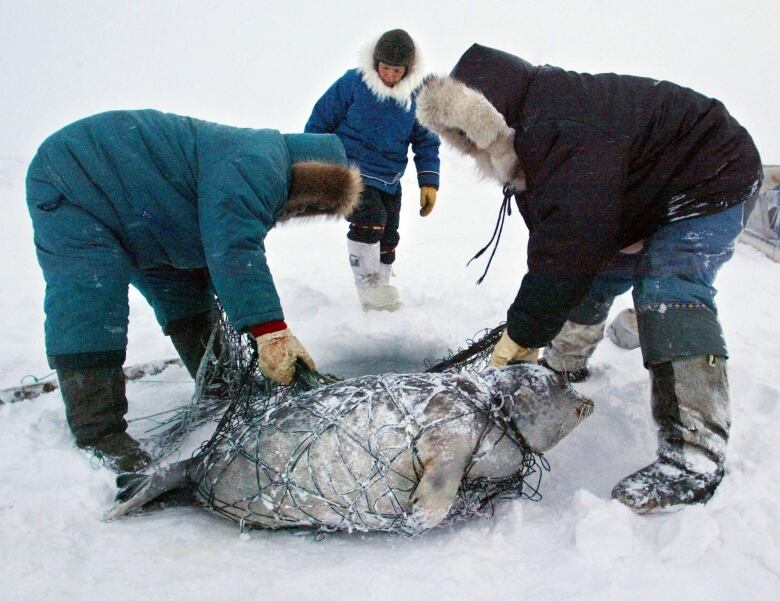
(576, 543)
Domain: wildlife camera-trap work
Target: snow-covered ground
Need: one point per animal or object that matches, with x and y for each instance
(574, 544)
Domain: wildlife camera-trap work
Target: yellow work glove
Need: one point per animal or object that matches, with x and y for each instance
(507, 350)
(427, 200)
(277, 353)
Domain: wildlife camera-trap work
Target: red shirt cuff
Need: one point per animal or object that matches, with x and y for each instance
(269, 326)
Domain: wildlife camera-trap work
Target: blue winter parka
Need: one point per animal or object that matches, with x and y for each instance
(174, 191)
(376, 127)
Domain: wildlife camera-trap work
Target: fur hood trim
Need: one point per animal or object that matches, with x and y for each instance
(322, 189)
(465, 119)
(403, 91)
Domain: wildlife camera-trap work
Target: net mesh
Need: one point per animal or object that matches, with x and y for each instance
(326, 453)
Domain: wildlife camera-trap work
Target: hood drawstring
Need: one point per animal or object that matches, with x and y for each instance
(504, 211)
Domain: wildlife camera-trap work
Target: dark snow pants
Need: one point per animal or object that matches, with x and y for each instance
(376, 219)
(673, 286)
(87, 272)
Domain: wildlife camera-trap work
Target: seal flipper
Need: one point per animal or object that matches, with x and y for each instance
(444, 461)
(128, 484)
(138, 489)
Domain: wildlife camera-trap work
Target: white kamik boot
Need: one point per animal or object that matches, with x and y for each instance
(372, 277)
(390, 300)
(624, 330)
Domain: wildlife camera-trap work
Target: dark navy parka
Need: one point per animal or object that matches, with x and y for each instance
(608, 160)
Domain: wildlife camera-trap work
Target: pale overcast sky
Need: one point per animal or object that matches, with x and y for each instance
(263, 64)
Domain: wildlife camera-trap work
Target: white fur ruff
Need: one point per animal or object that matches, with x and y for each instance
(467, 121)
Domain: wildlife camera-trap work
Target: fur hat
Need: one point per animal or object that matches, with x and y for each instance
(396, 48)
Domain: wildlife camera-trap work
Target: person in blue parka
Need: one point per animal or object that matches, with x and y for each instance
(372, 110)
(179, 208)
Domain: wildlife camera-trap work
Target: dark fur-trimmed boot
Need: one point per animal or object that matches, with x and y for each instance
(570, 350)
(95, 406)
(690, 401)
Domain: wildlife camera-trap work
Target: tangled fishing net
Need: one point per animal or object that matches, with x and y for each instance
(361, 489)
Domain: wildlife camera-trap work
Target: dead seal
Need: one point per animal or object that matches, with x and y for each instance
(386, 452)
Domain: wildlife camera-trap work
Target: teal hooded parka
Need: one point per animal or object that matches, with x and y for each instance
(135, 196)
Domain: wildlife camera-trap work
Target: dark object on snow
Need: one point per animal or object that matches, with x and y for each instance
(95, 405)
(666, 486)
(119, 452)
(399, 452)
(475, 356)
(574, 376)
(690, 400)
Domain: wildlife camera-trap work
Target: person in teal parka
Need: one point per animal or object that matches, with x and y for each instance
(179, 208)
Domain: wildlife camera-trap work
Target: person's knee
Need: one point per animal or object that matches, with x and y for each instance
(591, 311)
(86, 319)
(387, 254)
(366, 233)
(674, 330)
(203, 321)
(368, 222)
(88, 360)
(176, 294)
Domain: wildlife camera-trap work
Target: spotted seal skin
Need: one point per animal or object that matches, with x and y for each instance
(385, 452)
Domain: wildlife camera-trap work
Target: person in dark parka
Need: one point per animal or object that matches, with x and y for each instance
(179, 208)
(617, 177)
(372, 110)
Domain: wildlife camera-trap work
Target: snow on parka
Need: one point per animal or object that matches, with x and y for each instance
(174, 191)
(608, 159)
(377, 124)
